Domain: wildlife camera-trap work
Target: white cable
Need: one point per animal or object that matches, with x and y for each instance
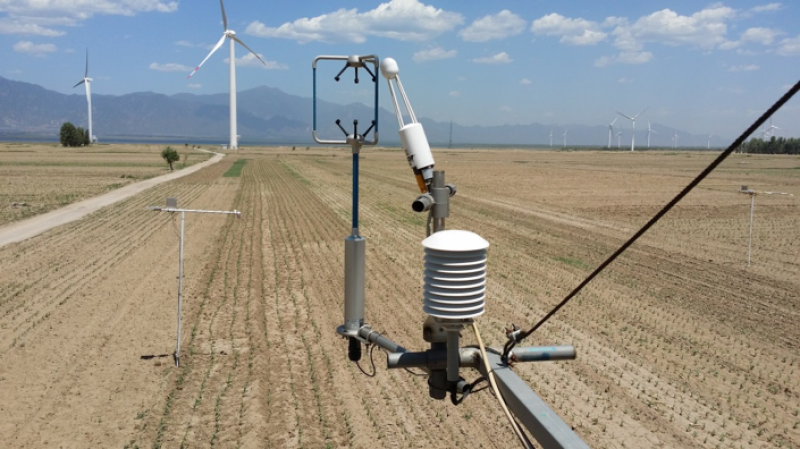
(492, 382)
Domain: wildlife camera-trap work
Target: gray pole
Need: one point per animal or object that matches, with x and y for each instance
(750, 240)
(180, 291)
(172, 208)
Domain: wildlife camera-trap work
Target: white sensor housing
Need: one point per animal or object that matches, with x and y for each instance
(415, 144)
(455, 275)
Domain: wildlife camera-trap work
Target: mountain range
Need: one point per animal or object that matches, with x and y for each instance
(269, 115)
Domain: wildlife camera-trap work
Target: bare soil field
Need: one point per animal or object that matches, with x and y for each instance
(680, 343)
(37, 178)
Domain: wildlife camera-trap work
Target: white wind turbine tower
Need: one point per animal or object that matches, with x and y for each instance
(88, 81)
(565, 137)
(649, 131)
(619, 139)
(551, 138)
(633, 126)
(708, 145)
(675, 140)
(611, 131)
(229, 34)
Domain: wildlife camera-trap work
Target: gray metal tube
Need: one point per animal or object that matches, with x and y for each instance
(544, 353)
(354, 266)
(374, 337)
(531, 411)
(440, 210)
(434, 360)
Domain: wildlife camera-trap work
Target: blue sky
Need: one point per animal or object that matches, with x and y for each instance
(703, 68)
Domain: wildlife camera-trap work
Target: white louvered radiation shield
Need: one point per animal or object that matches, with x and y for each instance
(455, 275)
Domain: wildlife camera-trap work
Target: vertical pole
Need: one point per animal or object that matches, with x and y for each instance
(355, 188)
(233, 131)
(750, 240)
(180, 292)
(441, 205)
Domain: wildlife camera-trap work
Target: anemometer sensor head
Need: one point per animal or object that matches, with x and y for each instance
(455, 275)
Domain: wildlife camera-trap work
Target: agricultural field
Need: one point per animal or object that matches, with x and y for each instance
(680, 343)
(37, 178)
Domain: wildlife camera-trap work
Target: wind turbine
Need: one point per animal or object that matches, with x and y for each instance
(619, 139)
(708, 146)
(611, 131)
(229, 34)
(771, 128)
(88, 81)
(675, 140)
(633, 126)
(649, 130)
(565, 137)
(551, 138)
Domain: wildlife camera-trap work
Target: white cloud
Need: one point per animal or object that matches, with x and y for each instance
(404, 20)
(705, 29)
(170, 67)
(789, 47)
(767, 8)
(434, 54)
(250, 60)
(36, 16)
(625, 57)
(571, 31)
(21, 28)
(38, 50)
(525, 81)
(763, 36)
(499, 26)
(455, 94)
(744, 68)
(194, 86)
(500, 58)
(506, 109)
(624, 80)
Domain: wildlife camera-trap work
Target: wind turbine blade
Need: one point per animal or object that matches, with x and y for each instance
(81, 82)
(629, 118)
(216, 47)
(224, 18)
(614, 121)
(86, 73)
(251, 51)
(637, 115)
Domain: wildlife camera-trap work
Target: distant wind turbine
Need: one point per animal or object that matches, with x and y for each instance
(649, 130)
(565, 137)
(611, 131)
(675, 140)
(619, 140)
(633, 126)
(229, 34)
(551, 138)
(771, 128)
(88, 81)
(709, 141)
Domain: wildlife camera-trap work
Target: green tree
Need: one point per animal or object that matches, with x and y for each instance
(77, 138)
(66, 134)
(170, 155)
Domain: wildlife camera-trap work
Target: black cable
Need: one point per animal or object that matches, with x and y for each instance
(738, 142)
(372, 361)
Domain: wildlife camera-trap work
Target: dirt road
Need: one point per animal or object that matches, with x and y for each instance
(34, 226)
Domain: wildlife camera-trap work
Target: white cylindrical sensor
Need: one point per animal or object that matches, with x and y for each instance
(416, 146)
